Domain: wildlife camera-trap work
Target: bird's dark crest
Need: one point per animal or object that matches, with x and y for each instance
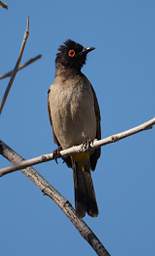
(64, 59)
(69, 44)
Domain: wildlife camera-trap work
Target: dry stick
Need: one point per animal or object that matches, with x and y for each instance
(26, 35)
(3, 5)
(47, 157)
(21, 66)
(52, 193)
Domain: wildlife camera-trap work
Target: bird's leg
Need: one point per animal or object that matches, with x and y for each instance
(56, 154)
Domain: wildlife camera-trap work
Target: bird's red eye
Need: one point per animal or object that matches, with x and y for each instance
(71, 53)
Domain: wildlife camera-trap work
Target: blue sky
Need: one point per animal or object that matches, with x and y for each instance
(121, 70)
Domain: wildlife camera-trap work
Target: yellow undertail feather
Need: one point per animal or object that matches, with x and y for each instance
(81, 158)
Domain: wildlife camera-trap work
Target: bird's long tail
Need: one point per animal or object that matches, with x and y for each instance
(85, 199)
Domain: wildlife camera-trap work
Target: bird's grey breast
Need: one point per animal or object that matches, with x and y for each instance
(72, 111)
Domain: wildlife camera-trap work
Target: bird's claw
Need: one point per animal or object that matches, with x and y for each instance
(56, 154)
(87, 145)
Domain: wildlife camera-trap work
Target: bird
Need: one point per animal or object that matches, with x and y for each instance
(75, 119)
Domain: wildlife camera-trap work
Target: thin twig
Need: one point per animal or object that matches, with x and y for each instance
(3, 5)
(21, 66)
(26, 35)
(98, 143)
(63, 204)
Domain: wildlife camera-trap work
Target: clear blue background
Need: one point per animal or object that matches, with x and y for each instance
(122, 72)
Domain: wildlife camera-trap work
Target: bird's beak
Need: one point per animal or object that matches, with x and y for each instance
(87, 50)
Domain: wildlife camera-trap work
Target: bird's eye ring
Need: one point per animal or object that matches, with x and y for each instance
(71, 53)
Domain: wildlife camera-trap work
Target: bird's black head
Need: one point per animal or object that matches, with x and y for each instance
(72, 55)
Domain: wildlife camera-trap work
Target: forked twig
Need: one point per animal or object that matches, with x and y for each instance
(21, 66)
(15, 70)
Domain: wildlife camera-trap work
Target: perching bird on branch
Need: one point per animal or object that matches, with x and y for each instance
(75, 118)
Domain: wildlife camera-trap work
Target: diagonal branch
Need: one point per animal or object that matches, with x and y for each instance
(98, 143)
(63, 204)
(26, 35)
(3, 5)
(21, 66)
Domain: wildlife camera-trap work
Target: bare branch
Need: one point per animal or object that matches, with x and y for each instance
(63, 204)
(3, 5)
(98, 143)
(26, 35)
(21, 66)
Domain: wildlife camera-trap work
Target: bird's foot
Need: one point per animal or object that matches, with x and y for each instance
(86, 146)
(56, 154)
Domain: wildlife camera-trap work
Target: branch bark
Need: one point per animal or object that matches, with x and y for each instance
(3, 5)
(21, 66)
(15, 70)
(53, 194)
(98, 143)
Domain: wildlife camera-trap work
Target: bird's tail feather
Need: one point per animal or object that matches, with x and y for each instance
(85, 199)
